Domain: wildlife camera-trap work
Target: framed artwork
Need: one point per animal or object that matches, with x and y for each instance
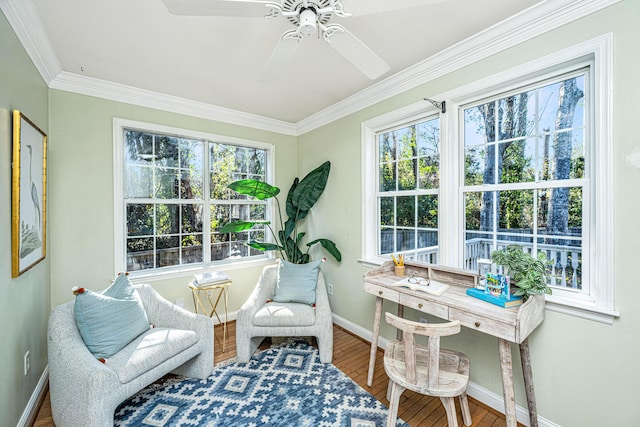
(28, 195)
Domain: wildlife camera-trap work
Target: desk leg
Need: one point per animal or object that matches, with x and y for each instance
(374, 340)
(506, 367)
(528, 382)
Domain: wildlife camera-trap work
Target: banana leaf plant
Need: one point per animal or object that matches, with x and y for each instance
(302, 195)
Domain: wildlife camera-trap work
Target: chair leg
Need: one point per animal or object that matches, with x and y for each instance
(246, 347)
(394, 403)
(464, 406)
(450, 408)
(325, 346)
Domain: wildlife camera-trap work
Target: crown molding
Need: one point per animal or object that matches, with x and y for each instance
(517, 29)
(26, 23)
(90, 86)
(23, 18)
(524, 26)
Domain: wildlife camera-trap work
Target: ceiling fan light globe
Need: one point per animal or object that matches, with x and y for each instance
(308, 20)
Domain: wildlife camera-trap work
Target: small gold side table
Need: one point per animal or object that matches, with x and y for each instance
(209, 305)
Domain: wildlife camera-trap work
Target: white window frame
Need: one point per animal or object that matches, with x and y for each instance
(598, 303)
(378, 194)
(120, 234)
(370, 181)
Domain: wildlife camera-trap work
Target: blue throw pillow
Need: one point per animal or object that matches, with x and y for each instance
(297, 282)
(110, 320)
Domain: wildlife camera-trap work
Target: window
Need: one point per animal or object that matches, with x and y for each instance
(525, 177)
(522, 157)
(407, 196)
(172, 197)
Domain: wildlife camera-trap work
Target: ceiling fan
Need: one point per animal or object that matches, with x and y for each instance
(308, 17)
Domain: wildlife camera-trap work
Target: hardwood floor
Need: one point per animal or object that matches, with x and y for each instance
(351, 356)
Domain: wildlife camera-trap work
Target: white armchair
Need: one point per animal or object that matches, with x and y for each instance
(86, 392)
(258, 318)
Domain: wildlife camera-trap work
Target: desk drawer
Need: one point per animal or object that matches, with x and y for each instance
(381, 291)
(430, 307)
(482, 324)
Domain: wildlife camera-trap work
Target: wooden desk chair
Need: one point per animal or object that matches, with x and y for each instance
(426, 369)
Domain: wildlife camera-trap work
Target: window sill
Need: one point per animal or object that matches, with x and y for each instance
(372, 262)
(583, 311)
(188, 272)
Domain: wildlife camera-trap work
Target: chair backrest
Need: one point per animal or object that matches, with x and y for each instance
(269, 280)
(434, 331)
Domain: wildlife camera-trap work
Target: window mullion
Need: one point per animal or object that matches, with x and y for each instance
(450, 201)
(206, 203)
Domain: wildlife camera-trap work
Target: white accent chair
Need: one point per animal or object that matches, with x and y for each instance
(85, 392)
(427, 369)
(258, 318)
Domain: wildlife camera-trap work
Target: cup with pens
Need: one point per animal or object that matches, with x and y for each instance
(399, 264)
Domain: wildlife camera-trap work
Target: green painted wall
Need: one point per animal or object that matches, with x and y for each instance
(585, 372)
(81, 187)
(25, 300)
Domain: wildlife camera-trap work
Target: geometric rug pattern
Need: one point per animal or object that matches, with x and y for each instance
(283, 386)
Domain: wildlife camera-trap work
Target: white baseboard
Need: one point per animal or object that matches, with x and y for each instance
(479, 393)
(30, 411)
(230, 316)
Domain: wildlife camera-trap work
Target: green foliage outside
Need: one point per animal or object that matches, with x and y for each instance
(409, 161)
(509, 156)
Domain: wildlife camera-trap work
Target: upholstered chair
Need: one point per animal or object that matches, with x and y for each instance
(261, 317)
(86, 391)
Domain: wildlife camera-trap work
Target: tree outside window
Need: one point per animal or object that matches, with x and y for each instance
(524, 176)
(409, 179)
(168, 200)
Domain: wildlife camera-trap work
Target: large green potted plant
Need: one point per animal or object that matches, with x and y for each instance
(528, 274)
(302, 195)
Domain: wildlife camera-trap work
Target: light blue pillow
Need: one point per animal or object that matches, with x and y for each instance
(297, 282)
(110, 320)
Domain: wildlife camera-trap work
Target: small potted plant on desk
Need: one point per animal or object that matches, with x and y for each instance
(525, 272)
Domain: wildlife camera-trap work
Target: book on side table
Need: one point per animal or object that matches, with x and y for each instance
(500, 300)
(210, 278)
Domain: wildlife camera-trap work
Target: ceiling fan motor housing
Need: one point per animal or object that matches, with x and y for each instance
(312, 6)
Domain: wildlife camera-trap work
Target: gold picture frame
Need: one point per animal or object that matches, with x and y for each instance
(28, 195)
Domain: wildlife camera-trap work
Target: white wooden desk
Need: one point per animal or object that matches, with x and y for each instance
(507, 324)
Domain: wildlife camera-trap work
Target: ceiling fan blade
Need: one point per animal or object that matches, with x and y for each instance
(240, 8)
(355, 51)
(281, 56)
(368, 7)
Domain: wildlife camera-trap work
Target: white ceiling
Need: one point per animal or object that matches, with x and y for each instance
(206, 66)
(218, 60)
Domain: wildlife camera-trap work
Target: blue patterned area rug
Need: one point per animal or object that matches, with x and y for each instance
(282, 386)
